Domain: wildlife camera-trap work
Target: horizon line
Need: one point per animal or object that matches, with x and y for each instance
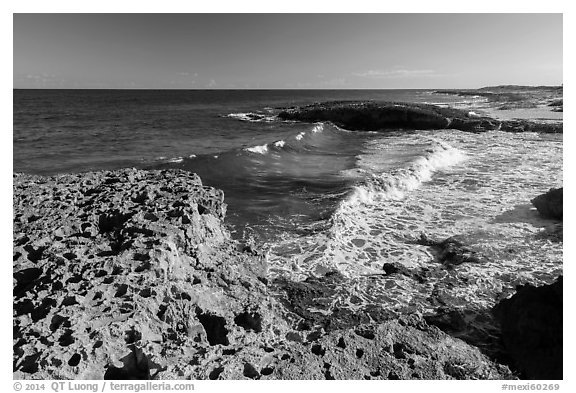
(279, 88)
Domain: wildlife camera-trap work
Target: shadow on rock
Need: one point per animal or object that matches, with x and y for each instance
(531, 323)
(477, 327)
(550, 204)
(523, 332)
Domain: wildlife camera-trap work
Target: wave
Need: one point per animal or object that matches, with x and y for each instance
(394, 185)
(261, 149)
(304, 141)
(265, 148)
(312, 149)
(319, 127)
(355, 241)
(173, 160)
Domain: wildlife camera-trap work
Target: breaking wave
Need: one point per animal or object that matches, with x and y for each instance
(395, 184)
(261, 149)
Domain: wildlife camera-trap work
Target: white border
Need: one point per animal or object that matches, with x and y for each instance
(296, 6)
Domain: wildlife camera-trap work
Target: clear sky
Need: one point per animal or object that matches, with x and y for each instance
(197, 51)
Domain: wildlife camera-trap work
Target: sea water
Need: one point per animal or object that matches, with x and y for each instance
(317, 198)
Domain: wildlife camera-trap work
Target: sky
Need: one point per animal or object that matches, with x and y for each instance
(285, 51)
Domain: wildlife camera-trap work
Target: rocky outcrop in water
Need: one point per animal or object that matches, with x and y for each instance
(382, 116)
(532, 335)
(550, 204)
(450, 252)
(370, 116)
(531, 126)
(131, 274)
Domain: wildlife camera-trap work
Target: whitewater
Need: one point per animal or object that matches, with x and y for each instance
(437, 184)
(317, 199)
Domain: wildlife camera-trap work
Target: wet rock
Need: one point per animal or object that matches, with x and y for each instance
(532, 335)
(398, 268)
(369, 116)
(531, 126)
(118, 285)
(304, 298)
(451, 252)
(382, 116)
(550, 204)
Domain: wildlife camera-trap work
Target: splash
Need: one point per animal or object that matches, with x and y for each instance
(252, 117)
(384, 186)
(261, 149)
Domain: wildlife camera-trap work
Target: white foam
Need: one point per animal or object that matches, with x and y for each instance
(176, 160)
(261, 149)
(484, 198)
(395, 184)
(252, 117)
(300, 136)
(279, 143)
(318, 128)
(341, 129)
(192, 156)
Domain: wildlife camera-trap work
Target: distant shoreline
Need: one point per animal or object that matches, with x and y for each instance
(526, 87)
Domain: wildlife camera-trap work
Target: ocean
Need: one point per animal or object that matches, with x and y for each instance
(317, 198)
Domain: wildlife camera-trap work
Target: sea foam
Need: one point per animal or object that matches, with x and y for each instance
(252, 117)
(318, 127)
(395, 184)
(261, 149)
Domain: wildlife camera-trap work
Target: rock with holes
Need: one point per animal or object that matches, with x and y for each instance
(131, 274)
(123, 274)
(404, 348)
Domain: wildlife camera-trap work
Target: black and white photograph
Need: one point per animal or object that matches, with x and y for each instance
(286, 196)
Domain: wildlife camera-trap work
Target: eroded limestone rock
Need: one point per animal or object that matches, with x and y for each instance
(131, 274)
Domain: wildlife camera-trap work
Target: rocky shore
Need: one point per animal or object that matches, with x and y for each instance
(382, 116)
(132, 274)
(507, 97)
